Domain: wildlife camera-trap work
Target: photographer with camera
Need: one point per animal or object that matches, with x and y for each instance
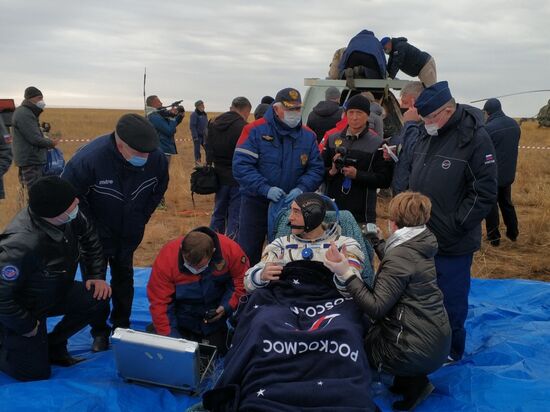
(355, 167)
(195, 284)
(165, 119)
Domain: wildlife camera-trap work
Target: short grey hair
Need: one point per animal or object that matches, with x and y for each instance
(241, 103)
(412, 89)
(332, 93)
(151, 99)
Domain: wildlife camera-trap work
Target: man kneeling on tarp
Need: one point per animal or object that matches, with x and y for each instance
(195, 285)
(411, 335)
(39, 254)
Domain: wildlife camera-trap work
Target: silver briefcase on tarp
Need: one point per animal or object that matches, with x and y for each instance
(161, 360)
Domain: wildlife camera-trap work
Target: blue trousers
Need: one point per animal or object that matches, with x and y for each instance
(227, 204)
(197, 143)
(253, 226)
(453, 278)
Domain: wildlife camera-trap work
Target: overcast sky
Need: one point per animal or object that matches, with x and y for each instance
(93, 53)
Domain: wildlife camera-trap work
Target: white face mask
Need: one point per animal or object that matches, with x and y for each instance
(40, 104)
(431, 129)
(196, 271)
(292, 118)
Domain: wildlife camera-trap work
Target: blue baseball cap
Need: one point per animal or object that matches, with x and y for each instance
(432, 98)
(384, 41)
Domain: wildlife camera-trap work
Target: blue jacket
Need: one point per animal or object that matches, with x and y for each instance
(166, 129)
(198, 124)
(505, 133)
(366, 42)
(457, 170)
(269, 153)
(406, 57)
(119, 197)
(405, 141)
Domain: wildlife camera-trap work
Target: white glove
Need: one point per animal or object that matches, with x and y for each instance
(337, 262)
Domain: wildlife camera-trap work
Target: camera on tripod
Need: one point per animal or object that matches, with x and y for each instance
(167, 111)
(343, 160)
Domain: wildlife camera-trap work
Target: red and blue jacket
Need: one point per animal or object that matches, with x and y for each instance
(179, 299)
(269, 153)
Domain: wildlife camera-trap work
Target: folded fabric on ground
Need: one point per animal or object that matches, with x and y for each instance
(505, 368)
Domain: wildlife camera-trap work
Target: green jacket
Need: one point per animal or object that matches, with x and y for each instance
(29, 145)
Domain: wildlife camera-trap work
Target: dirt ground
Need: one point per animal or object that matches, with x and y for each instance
(527, 258)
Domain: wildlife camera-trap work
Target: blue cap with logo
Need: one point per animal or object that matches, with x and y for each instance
(289, 97)
(432, 98)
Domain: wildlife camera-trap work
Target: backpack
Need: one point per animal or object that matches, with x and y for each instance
(203, 181)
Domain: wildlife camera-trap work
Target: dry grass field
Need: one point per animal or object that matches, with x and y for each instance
(528, 258)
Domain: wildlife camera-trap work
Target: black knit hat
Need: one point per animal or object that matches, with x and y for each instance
(138, 133)
(358, 102)
(267, 100)
(313, 209)
(50, 196)
(31, 92)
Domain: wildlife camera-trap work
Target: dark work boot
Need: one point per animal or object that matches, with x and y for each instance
(60, 356)
(101, 343)
(417, 390)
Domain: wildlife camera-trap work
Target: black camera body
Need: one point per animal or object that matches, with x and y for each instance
(343, 160)
(210, 313)
(166, 111)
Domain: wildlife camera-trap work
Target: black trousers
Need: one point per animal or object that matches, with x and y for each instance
(27, 359)
(504, 202)
(122, 285)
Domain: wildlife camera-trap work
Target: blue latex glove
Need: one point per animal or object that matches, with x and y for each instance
(293, 193)
(275, 193)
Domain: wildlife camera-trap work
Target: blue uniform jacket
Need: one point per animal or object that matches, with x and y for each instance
(197, 125)
(366, 42)
(269, 153)
(166, 129)
(405, 141)
(457, 170)
(119, 197)
(505, 133)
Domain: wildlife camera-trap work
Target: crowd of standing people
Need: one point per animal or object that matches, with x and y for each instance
(460, 161)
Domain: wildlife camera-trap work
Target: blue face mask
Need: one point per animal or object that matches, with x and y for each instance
(137, 161)
(196, 271)
(292, 118)
(72, 215)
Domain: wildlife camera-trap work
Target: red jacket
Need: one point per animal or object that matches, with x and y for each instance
(179, 299)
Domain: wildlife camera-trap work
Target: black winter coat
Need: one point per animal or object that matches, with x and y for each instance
(505, 133)
(411, 334)
(406, 57)
(38, 262)
(457, 170)
(372, 172)
(324, 117)
(223, 133)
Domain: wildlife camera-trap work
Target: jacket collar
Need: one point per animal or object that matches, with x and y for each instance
(400, 236)
(56, 233)
(495, 115)
(217, 258)
(281, 128)
(32, 107)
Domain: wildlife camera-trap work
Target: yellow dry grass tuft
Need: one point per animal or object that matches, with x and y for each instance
(527, 258)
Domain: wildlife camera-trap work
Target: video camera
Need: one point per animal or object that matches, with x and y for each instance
(343, 160)
(166, 111)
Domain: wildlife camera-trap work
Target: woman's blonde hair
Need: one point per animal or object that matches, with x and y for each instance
(410, 209)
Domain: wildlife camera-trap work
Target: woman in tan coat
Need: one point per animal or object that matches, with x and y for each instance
(410, 336)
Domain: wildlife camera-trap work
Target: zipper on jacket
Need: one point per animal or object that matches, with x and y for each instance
(400, 326)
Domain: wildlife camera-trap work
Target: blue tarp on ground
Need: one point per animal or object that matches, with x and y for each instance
(506, 368)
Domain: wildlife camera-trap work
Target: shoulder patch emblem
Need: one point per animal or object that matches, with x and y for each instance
(267, 138)
(446, 164)
(304, 158)
(338, 142)
(489, 159)
(243, 260)
(9, 273)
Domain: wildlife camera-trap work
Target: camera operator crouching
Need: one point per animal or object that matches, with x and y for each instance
(355, 167)
(165, 119)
